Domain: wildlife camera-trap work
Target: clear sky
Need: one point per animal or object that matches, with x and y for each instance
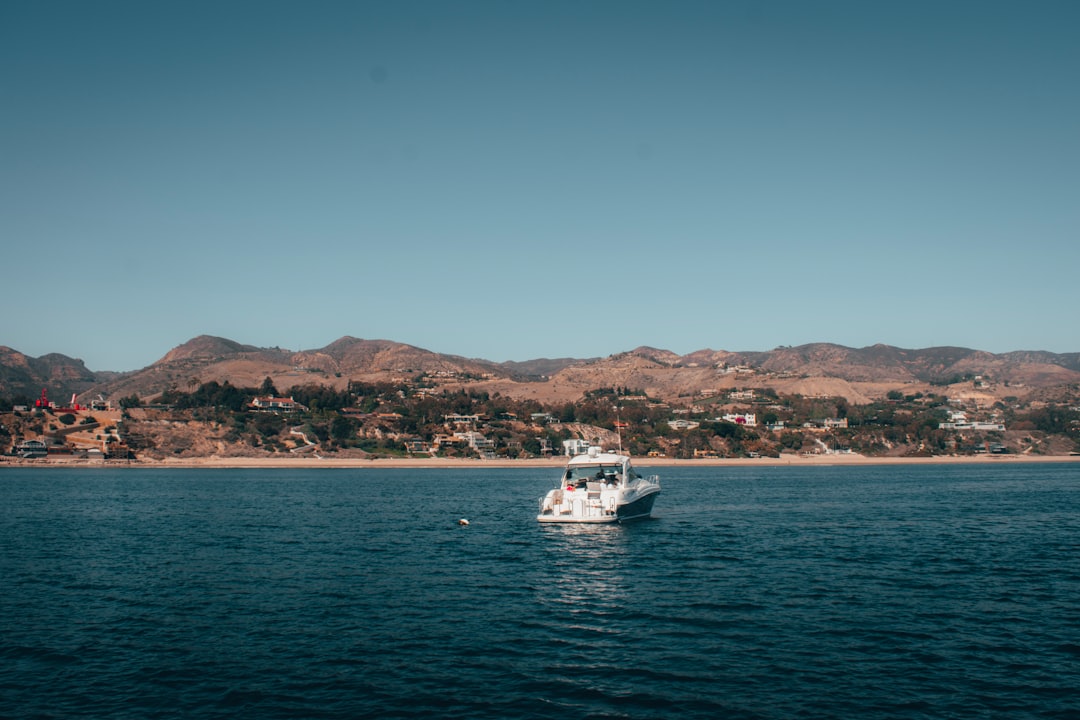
(513, 180)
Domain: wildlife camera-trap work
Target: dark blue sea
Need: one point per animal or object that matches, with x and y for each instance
(872, 592)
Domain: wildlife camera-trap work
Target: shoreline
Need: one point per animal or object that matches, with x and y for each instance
(555, 463)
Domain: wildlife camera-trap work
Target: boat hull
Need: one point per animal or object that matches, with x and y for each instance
(639, 508)
(579, 520)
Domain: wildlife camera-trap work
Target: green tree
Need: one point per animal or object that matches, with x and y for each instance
(268, 424)
(791, 440)
(342, 429)
(841, 408)
(267, 388)
(1054, 419)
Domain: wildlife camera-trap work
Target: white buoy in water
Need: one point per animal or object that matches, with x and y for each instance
(462, 522)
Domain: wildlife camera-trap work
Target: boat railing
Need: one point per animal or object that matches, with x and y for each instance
(652, 479)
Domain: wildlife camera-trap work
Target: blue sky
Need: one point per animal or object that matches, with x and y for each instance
(512, 180)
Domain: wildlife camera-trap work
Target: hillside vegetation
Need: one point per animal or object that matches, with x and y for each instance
(377, 397)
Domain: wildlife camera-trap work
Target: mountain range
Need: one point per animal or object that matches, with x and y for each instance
(858, 374)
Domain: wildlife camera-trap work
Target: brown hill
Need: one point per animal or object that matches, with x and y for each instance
(207, 348)
(206, 358)
(858, 374)
(375, 358)
(24, 376)
(885, 363)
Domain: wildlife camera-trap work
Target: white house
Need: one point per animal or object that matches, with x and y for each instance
(31, 448)
(476, 441)
(980, 426)
(682, 424)
(576, 446)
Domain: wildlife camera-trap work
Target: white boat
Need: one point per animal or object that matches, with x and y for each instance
(599, 487)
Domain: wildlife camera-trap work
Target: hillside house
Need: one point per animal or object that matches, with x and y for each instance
(680, 424)
(973, 426)
(31, 449)
(477, 441)
(417, 446)
(441, 439)
(276, 404)
(575, 446)
(725, 369)
(391, 416)
(825, 423)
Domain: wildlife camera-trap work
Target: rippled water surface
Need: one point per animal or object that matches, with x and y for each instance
(949, 591)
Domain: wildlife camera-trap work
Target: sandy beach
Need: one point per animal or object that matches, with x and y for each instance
(554, 463)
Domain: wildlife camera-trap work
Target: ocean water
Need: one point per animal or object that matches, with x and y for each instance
(871, 592)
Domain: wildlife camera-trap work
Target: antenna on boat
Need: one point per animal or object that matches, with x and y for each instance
(618, 427)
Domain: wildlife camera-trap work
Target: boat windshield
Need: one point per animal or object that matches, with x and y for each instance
(593, 473)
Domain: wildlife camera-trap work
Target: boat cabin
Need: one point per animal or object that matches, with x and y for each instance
(581, 476)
